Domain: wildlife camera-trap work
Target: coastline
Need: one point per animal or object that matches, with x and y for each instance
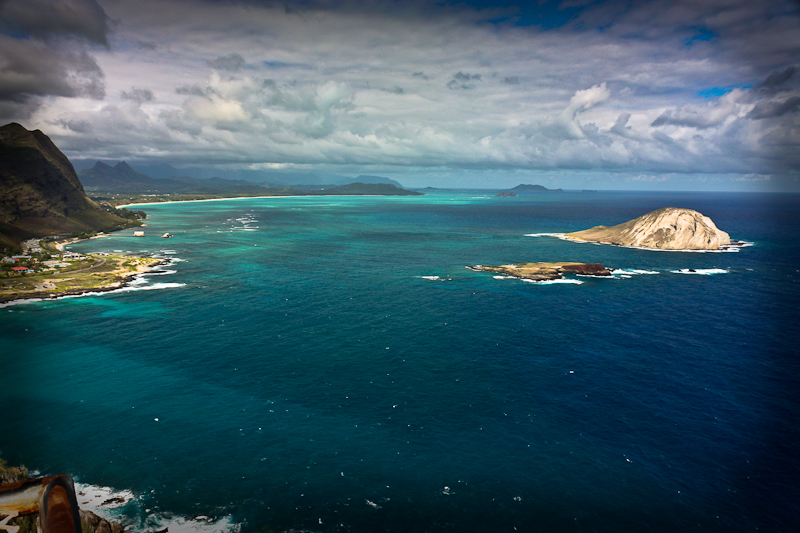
(271, 196)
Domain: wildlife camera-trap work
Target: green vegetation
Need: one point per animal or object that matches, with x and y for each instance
(12, 474)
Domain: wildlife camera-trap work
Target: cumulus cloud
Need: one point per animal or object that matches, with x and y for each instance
(347, 86)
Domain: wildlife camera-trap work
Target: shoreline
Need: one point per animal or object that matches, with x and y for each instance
(272, 196)
(728, 248)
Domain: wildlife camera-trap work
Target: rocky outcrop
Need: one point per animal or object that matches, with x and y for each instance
(91, 521)
(668, 228)
(545, 271)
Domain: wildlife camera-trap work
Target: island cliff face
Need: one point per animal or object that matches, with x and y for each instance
(39, 190)
(668, 228)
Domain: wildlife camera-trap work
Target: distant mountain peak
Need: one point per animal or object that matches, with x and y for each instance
(528, 188)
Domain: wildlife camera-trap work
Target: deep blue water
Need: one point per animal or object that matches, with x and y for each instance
(300, 366)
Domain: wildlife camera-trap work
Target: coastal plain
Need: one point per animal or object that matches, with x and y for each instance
(95, 273)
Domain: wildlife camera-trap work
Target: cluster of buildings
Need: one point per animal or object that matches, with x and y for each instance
(29, 263)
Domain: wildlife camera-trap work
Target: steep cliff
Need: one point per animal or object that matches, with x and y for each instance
(668, 228)
(40, 193)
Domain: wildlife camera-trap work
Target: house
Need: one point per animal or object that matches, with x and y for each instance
(20, 270)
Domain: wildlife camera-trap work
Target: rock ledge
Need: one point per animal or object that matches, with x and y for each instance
(545, 271)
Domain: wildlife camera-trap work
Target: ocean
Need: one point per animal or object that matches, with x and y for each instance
(329, 364)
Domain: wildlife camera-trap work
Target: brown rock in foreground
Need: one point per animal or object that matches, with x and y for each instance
(98, 524)
(545, 271)
(668, 228)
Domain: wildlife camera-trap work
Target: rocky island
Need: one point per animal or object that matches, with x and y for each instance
(668, 228)
(545, 271)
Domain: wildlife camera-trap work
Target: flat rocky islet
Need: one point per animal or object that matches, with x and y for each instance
(668, 228)
(545, 271)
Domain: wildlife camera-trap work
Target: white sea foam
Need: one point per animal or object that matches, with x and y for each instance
(565, 280)
(700, 271)
(109, 503)
(162, 272)
(432, 278)
(554, 281)
(93, 498)
(628, 272)
(201, 524)
(153, 287)
(559, 235)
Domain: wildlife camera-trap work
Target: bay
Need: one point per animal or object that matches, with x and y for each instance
(329, 364)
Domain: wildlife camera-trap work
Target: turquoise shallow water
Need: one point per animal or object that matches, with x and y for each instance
(329, 364)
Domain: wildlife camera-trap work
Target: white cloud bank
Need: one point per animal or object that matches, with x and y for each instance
(656, 88)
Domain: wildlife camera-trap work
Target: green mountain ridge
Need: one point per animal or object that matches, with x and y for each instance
(123, 179)
(40, 193)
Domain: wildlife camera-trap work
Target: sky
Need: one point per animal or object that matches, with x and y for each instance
(577, 94)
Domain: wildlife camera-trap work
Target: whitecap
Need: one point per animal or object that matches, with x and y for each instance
(162, 272)
(628, 272)
(432, 278)
(559, 235)
(153, 287)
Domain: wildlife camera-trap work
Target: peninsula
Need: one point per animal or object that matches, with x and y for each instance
(545, 271)
(42, 275)
(668, 228)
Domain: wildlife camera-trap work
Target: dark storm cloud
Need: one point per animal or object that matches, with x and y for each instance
(56, 18)
(29, 68)
(43, 52)
(138, 94)
(777, 80)
(232, 62)
(773, 109)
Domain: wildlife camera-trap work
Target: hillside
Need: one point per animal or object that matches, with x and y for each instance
(524, 188)
(40, 193)
(668, 228)
(123, 179)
